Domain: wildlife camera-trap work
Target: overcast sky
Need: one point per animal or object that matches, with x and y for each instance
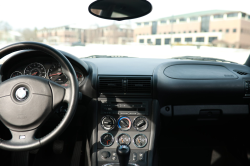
(51, 13)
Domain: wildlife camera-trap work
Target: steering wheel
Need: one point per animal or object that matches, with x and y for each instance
(27, 101)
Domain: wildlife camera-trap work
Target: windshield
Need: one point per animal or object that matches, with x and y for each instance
(202, 30)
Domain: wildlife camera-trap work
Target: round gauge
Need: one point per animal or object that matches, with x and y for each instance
(124, 123)
(79, 76)
(15, 73)
(55, 74)
(107, 139)
(140, 140)
(35, 69)
(140, 123)
(108, 123)
(123, 139)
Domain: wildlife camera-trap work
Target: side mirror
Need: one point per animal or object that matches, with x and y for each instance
(120, 9)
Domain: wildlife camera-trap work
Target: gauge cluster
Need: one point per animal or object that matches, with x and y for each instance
(48, 70)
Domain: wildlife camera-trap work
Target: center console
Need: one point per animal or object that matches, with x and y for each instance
(124, 121)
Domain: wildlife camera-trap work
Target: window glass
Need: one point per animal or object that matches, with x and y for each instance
(218, 16)
(193, 18)
(227, 30)
(200, 39)
(167, 41)
(158, 42)
(211, 39)
(183, 19)
(148, 41)
(138, 23)
(177, 40)
(172, 20)
(232, 15)
(234, 30)
(146, 23)
(163, 21)
(141, 40)
(188, 39)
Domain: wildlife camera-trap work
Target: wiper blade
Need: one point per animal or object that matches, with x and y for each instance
(198, 58)
(106, 56)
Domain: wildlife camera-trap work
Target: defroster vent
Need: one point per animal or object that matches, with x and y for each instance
(125, 85)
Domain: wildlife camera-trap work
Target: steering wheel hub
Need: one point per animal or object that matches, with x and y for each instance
(22, 93)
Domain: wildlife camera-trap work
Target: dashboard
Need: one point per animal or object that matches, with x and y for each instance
(127, 98)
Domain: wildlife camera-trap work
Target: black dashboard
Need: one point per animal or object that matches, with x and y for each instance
(129, 95)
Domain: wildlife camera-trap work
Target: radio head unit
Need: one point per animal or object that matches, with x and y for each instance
(124, 108)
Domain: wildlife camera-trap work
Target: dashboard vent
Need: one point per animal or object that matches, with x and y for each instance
(139, 85)
(110, 85)
(118, 85)
(240, 72)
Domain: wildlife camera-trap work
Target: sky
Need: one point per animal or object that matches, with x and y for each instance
(22, 14)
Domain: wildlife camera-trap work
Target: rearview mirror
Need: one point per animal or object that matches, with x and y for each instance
(120, 9)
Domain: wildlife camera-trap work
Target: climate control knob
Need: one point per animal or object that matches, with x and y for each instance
(140, 123)
(108, 123)
(124, 123)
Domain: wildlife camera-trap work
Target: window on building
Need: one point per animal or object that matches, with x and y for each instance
(211, 39)
(232, 15)
(165, 32)
(220, 30)
(249, 17)
(179, 32)
(200, 39)
(163, 21)
(149, 41)
(169, 32)
(218, 16)
(158, 42)
(195, 31)
(141, 41)
(241, 30)
(173, 32)
(227, 30)
(167, 41)
(138, 24)
(214, 30)
(243, 15)
(234, 30)
(188, 39)
(183, 19)
(190, 32)
(172, 20)
(177, 40)
(184, 32)
(205, 22)
(193, 18)
(146, 23)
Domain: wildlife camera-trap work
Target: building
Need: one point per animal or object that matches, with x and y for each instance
(215, 27)
(61, 35)
(112, 34)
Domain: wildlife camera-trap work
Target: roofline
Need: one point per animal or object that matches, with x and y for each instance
(183, 15)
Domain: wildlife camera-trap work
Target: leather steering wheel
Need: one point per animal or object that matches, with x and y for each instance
(27, 101)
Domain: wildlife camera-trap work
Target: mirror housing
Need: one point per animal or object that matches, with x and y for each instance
(120, 9)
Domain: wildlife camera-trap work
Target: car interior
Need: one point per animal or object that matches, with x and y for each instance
(70, 111)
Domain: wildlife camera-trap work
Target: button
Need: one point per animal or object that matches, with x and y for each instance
(113, 154)
(105, 155)
(134, 156)
(123, 113)
(141, 156)
(132, 113)
(114, 158)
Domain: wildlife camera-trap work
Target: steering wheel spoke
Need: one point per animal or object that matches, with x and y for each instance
(21, 140)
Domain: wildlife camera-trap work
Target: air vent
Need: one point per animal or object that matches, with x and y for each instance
(125, 85)
(240, 72)
(139, 85)
(110, 85)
